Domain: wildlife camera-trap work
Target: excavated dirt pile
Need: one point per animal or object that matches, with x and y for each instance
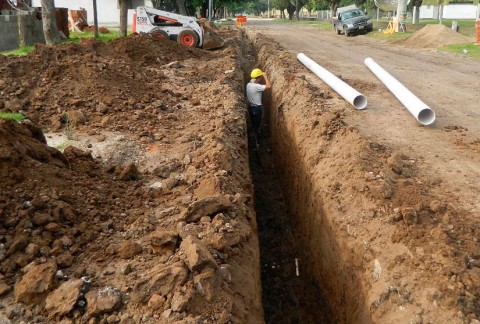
(162, 233)
(434, 36)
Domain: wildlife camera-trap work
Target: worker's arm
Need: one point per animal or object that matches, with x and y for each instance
(268, 85)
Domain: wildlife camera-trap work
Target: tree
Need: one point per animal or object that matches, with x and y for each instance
(293, 8)
(281, 5)
(416, 5)
(49, 22)
(124, 4)
(181, 6)
(333, 5)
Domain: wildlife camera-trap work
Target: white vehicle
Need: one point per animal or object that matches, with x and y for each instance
(186, 30)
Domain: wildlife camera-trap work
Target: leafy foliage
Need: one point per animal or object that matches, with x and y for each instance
(14, 116)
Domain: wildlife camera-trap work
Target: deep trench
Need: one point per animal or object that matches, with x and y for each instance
(287, 298)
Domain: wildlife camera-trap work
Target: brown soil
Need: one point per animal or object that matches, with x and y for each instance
(388, 229)
(157, 228)
(150, 212)
(434, 36)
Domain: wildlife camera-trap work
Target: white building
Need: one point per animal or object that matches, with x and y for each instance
(108, 11)
(450, 11)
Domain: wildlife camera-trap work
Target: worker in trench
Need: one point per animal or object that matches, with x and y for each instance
(255, 89)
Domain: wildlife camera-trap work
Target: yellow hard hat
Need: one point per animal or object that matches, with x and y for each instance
(256, 73)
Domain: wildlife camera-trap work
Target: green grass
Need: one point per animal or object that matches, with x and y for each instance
(19, 51)
(320, 24)
(75, 38)
(469, 50)
(62, 145)
(17, 117)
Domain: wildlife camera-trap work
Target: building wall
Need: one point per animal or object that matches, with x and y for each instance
(460, 11)
(451, 11)
(8, 32)
(108, 12)
(20, 30)
(4, 5)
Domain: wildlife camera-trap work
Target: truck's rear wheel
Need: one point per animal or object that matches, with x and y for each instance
(158, 33)
(188, 38)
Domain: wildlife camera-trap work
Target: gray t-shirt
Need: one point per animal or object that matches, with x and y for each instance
(254, 93)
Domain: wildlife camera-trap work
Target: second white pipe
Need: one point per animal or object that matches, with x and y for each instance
(351, 95)
(423, 113)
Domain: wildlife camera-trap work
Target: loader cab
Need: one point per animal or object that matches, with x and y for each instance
(164, 21)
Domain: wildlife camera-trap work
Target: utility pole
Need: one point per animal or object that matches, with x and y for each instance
(477, 26)
(95, 19)
(210, 10)
(268, 6)
(296, 9)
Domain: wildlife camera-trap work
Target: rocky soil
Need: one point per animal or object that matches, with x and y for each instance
(127, 195)
(159, 228)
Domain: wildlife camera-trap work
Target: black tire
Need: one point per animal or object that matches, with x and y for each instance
(338, 31)
(188, 38)
(158, 33)
(345, 31)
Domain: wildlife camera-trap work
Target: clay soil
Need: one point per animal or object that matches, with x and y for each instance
(128, 195)
(147, 213)
(386, 209)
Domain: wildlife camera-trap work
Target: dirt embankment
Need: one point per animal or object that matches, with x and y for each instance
(165, 231)
(383, 243)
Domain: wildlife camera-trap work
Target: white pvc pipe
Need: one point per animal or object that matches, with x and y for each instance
(423, 113)
(354, 97)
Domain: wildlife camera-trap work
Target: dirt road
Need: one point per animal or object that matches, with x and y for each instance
(448, 83)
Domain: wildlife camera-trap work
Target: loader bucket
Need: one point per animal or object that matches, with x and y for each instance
(211, 39)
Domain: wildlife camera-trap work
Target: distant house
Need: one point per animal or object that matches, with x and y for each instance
(108, 11)
(4, 5)
(449, 9)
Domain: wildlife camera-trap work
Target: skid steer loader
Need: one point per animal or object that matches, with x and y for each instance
(184, 29)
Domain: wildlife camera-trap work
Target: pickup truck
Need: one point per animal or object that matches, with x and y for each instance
(351, 22)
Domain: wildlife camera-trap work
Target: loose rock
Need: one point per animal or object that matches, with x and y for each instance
(197, 257)
(63, 299)
(36, 283)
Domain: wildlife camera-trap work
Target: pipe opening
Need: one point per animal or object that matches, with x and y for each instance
(360, 102)
(426, 116)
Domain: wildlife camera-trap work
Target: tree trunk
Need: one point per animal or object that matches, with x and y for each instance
(95, 19)
(182, 9)
(124, 17)
(291, 11)
(416, 15)
(49, 22)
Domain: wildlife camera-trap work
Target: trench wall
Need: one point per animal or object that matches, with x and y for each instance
(327, 258)
(365, 216)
